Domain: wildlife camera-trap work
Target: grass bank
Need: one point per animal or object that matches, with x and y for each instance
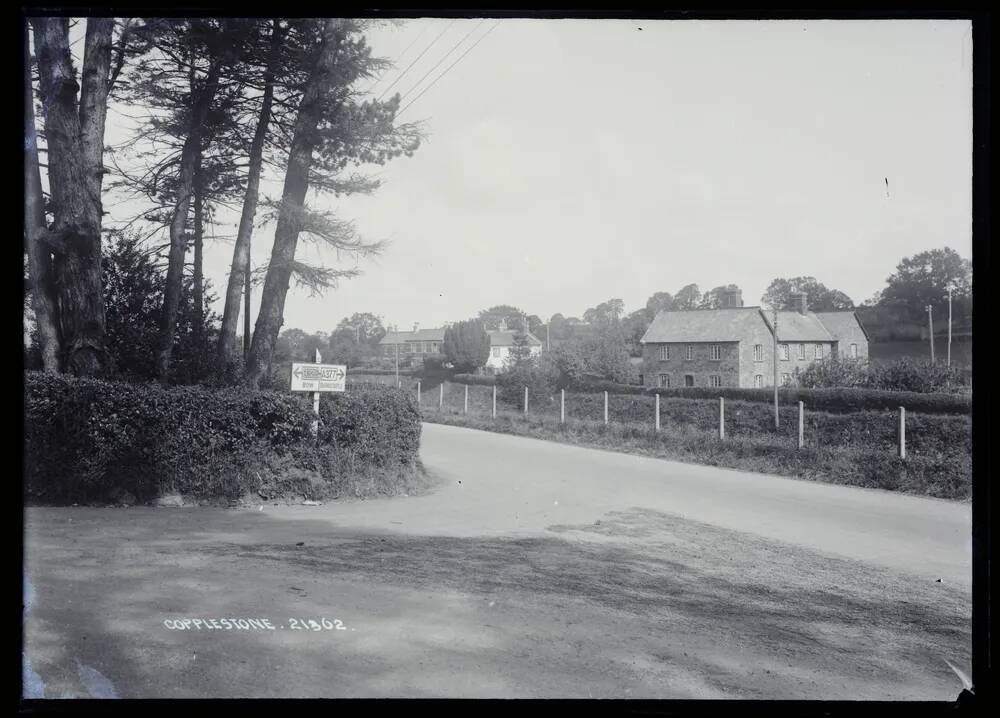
(937, 464)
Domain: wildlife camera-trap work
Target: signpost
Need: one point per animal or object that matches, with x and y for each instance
(318, 378)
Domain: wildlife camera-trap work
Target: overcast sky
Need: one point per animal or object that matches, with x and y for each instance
(572, 161)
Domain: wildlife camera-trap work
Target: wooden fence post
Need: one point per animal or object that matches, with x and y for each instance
(722, 418)
(441, 396)
(562, 406)
(494, 401)
(605, 408)
(418, 393)
(525, 400)
(466, 409)
(802, 422)
(902, 432)
(657, 412)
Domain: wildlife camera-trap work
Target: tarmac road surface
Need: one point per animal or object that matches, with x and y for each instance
(531, 569)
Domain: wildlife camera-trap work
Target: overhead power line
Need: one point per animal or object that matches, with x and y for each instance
(398, 59)
(403, 73)
(447, 69)
(443, 58)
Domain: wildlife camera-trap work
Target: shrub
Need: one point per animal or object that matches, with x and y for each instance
(904, 374)
(474, 379)
(92, 440)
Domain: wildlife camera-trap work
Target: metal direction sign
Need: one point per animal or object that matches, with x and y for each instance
(318, 377)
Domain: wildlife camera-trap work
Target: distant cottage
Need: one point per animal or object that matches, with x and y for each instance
(502, 342)
(420, 343)
(733, 346)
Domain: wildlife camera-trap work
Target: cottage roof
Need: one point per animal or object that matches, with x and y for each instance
(796, 327)
(703, 325)
(500, 338)
(421, 335)
(841, 323)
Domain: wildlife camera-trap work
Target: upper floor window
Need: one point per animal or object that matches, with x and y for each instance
(664, 353)
(758, 352)
(664, 381)
(715, 380)
(783, 351)
(854, 351)
(802, 351)
(716, 352)
(690, 352)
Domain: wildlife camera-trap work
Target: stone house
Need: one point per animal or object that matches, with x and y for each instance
(418, 344)
(734, 346)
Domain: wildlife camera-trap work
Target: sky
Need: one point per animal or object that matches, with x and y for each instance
(568, 162)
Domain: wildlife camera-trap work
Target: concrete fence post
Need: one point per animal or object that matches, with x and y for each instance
(722, 418)
(605, 408)
(465, 409)
(418, 393)
(802, 425)
(562, 406)
(902, 432)
(441, 396)
(525, 400)
(494, 401)
(657, 412)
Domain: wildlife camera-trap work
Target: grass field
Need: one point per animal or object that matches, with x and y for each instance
(961, 351)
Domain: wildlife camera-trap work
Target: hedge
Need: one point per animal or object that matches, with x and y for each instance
(92, 440)
(841, 400)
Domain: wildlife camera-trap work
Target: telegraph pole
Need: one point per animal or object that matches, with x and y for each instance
(949, 326)
(930, 322)
(774, 354)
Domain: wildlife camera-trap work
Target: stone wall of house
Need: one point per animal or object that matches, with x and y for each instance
(701, 366)
(749, 367)
(855, 335)
(793, 365)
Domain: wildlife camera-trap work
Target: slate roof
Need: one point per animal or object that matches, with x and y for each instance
(840, 323)
(703, 325)
(421, 335)
(506, 338)
(795, 327)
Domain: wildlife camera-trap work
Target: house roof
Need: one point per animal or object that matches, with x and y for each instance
(840, 323)
(421, 335)
(796, 327)
(506, 338)
(702, 325)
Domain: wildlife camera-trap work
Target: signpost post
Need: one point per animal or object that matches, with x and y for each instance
(318, 378)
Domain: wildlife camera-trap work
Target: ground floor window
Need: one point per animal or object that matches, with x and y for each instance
(664, 381)
(689, 380)
(786, 379)
(715, 380)
(854, 351)
(758, 381)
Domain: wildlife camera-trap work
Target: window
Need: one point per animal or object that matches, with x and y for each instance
(496, 352)
(689, 380)
(715, 380)
(758, 352)
(818, 351)
(664, 353)
(786, 379)
(783, 351)
(758, 381)
(716, 352)
(854, 351)
(664, 381)
(690, 352)
(802, 351)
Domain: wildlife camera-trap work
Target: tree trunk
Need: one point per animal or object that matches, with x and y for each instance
(199, 274)
(270, 314)
(239, 275)
(75, 144)
(43, 296)
(178, 237)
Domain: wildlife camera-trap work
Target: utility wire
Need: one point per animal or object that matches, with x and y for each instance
(398, 59)
(443, 58)
(445, 72)
(433, 42)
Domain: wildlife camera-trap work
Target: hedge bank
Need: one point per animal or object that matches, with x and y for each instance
(87, 440)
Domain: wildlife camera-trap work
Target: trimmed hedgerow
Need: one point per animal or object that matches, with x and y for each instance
(474, 379)
(92, 440)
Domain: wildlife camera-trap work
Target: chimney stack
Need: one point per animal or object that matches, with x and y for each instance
(416, 326)
(800, 302)
(733, 298)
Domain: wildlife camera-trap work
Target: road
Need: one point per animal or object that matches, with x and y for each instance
(530, 569)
